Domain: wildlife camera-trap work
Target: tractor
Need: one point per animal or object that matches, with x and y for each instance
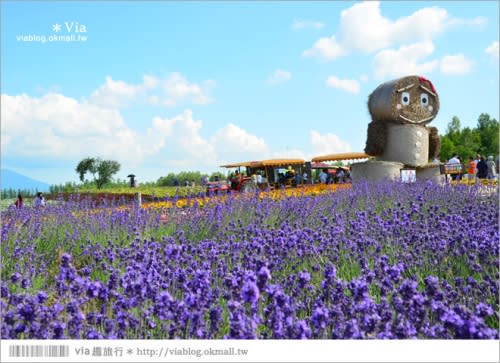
(265, 174)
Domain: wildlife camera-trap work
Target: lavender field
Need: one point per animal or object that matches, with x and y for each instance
(371, 262)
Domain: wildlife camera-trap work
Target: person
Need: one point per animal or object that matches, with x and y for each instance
(323, 177)
(297, 180)
(339, 175)
(347, 176)
(304, 177)
(290, 175)
(454, 160)
(235, 180)
(491, 168)
(477, 160)
(282, 179)
(186, 183)
(482, 168)
(471, 170)
(19, 201)
(254, 178)
(259, 178)
(39, 200)
(454, 163)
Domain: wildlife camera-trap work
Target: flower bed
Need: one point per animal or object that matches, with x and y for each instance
(373, 261)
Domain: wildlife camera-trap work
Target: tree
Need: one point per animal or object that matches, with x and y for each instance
(453, 129)
(468, 142)
(488, 130)
(84, 166)
(447, 148)
(104, 169)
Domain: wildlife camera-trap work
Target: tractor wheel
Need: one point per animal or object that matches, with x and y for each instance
(248, 187)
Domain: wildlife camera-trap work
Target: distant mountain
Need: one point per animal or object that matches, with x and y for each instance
(10, 179)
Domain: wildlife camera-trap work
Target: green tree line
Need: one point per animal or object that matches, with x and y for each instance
(172, 179)
(467, 142)
(10, 193)
(164, 181)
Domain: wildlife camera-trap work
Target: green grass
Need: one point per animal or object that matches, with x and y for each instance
(159, 192)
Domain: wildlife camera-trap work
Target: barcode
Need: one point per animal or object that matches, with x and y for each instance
(39, 351)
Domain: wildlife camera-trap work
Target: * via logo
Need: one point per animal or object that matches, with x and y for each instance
(70, 27)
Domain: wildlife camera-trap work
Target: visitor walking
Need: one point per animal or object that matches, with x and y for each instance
(39, 200)
(492, 173)
(471, 170)
(482, 168)
(19, 201)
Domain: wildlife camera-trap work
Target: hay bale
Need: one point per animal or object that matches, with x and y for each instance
(376, 138)
(386, 103)
(408, 144)
(430, 172)
(434, 143)
(377, 171)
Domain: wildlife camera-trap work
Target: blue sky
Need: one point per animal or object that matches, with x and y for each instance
(168, 86)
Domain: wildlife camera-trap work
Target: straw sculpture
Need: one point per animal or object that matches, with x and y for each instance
(410, 100)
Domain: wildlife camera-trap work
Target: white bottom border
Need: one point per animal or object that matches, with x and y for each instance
(250, 351)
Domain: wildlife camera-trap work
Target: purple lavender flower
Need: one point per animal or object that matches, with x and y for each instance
(66, 260)
(16, 276)
(263, 276)
(304, 278)
(483, 310)
(250, 292)
(320, 318)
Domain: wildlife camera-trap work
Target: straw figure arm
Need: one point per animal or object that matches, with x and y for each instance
(434, 143)
(376, 139)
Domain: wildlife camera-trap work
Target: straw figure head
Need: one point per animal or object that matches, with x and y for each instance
(406, 100)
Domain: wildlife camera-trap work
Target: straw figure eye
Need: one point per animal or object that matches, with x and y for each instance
(405, 98)
(424, 99)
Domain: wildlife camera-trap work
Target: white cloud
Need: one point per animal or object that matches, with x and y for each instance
(178, 89)
(307, 24)
(455, 65)
(56, 126)
(59, 128)
(149, 82)
(167, 92)
(326, 49)
(116, 94)
(363, 28)
(279, 76)
(478, 21)
(492, 50)
(232, 143)
(328, 143)
(180, 136)
(404, 61)
(349, 85)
